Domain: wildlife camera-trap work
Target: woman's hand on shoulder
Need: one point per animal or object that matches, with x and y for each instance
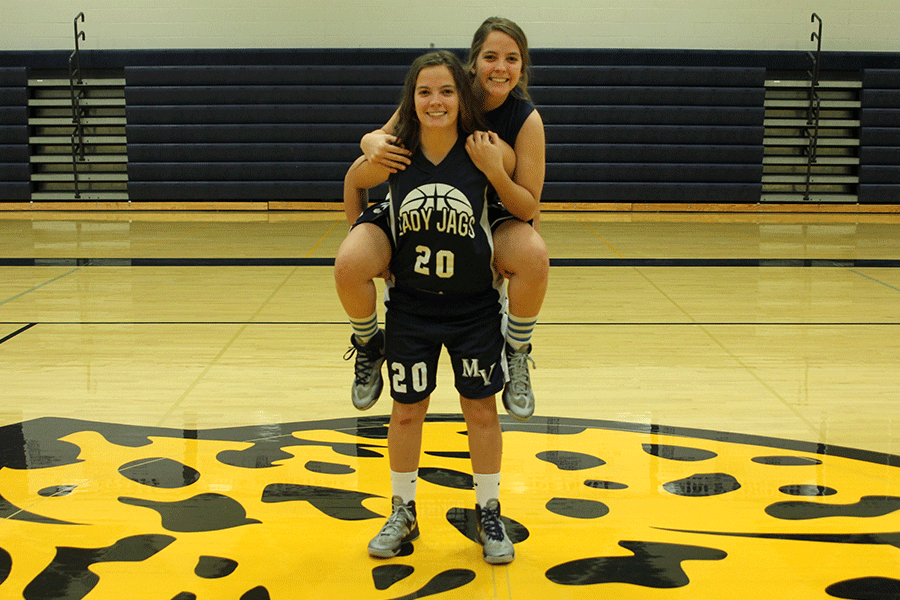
(381, 148)
(485, 148)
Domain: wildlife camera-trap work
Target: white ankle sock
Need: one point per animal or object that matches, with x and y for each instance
(487, 487)
(404, 485)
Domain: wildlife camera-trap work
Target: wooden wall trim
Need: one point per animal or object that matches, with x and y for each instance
(574, 207)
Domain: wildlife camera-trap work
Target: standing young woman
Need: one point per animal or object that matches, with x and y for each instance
(444, 291)
(498, 65)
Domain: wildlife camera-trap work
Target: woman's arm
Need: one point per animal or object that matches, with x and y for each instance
(381, 147)
(521, 191)
(531, 157)
(361, 176)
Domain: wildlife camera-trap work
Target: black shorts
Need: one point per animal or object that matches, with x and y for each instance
(413, 345)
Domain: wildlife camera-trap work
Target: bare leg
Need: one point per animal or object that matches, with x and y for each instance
(405, 435)
(521, 255)
(485, 436)
(364, 255)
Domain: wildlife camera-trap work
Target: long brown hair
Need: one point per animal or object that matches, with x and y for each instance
(512, 30)
(469, 119)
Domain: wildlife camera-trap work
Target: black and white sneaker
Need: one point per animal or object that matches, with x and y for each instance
(367, 381)
(498, 548)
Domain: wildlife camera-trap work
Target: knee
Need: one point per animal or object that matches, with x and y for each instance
(520, 250)
(539, 256)
(533, 258)
(347, 268)
(355, 263)
(409, 415)
(480, 414)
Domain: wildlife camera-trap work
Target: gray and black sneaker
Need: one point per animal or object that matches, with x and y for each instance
(367, 381)
(498, 548)
(518, 398)
(401, 527)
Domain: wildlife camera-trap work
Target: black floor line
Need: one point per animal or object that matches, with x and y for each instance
(554, 262)
(15, 333)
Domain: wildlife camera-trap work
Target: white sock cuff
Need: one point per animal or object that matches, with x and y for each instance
(487, 487)
(404, 485)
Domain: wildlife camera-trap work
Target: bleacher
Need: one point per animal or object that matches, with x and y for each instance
(250, 132)
(879, 152)
(652, 133)
(643, 126)
(14, 169)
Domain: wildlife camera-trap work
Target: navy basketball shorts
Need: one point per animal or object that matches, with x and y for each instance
(379, 215)
(413, 346)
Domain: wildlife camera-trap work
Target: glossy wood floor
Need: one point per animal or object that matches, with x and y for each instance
(717, 413)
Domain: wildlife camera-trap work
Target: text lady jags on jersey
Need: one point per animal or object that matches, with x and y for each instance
(439, 206)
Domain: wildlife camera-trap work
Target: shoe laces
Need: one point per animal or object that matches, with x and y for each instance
(519, 379)
(401, 518)
(365, 362)
(491, 524)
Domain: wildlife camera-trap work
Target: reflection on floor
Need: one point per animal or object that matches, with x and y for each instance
(99, 510)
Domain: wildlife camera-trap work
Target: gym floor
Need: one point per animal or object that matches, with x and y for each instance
(717, 414)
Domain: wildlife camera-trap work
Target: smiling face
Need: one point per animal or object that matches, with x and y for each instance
(436, 98)
(498, 68)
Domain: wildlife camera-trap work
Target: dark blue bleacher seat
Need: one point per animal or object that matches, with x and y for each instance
(252, 132)
(879, 153)
(636, 133)
(15, 170)
(288, 132)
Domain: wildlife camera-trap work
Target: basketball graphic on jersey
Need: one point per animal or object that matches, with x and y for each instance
(436, 207)
(439, 196)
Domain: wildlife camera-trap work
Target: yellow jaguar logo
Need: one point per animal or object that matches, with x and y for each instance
(596, 509)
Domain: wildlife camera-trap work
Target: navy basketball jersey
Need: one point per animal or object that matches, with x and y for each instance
(440, 228)
(507, 119)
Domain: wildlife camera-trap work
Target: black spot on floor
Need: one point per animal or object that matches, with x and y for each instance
(703, 484)
(5, 565)
(214, 567)
(12, 512)
(463, 455)
(205, 512)
(57, 491)
(868, 507)
(387, 575)
(787, 461)
(577, 508)
(679, 453)
(570, 461)
(160, 473)
(605, 485)
(327, 468)
(867, 539)
(68, 576)
(345, 505)
(653, 565)
(443, 582)
(257, 593)
(807, 490)
(263, 454)
(866, 588)
(447, 478)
